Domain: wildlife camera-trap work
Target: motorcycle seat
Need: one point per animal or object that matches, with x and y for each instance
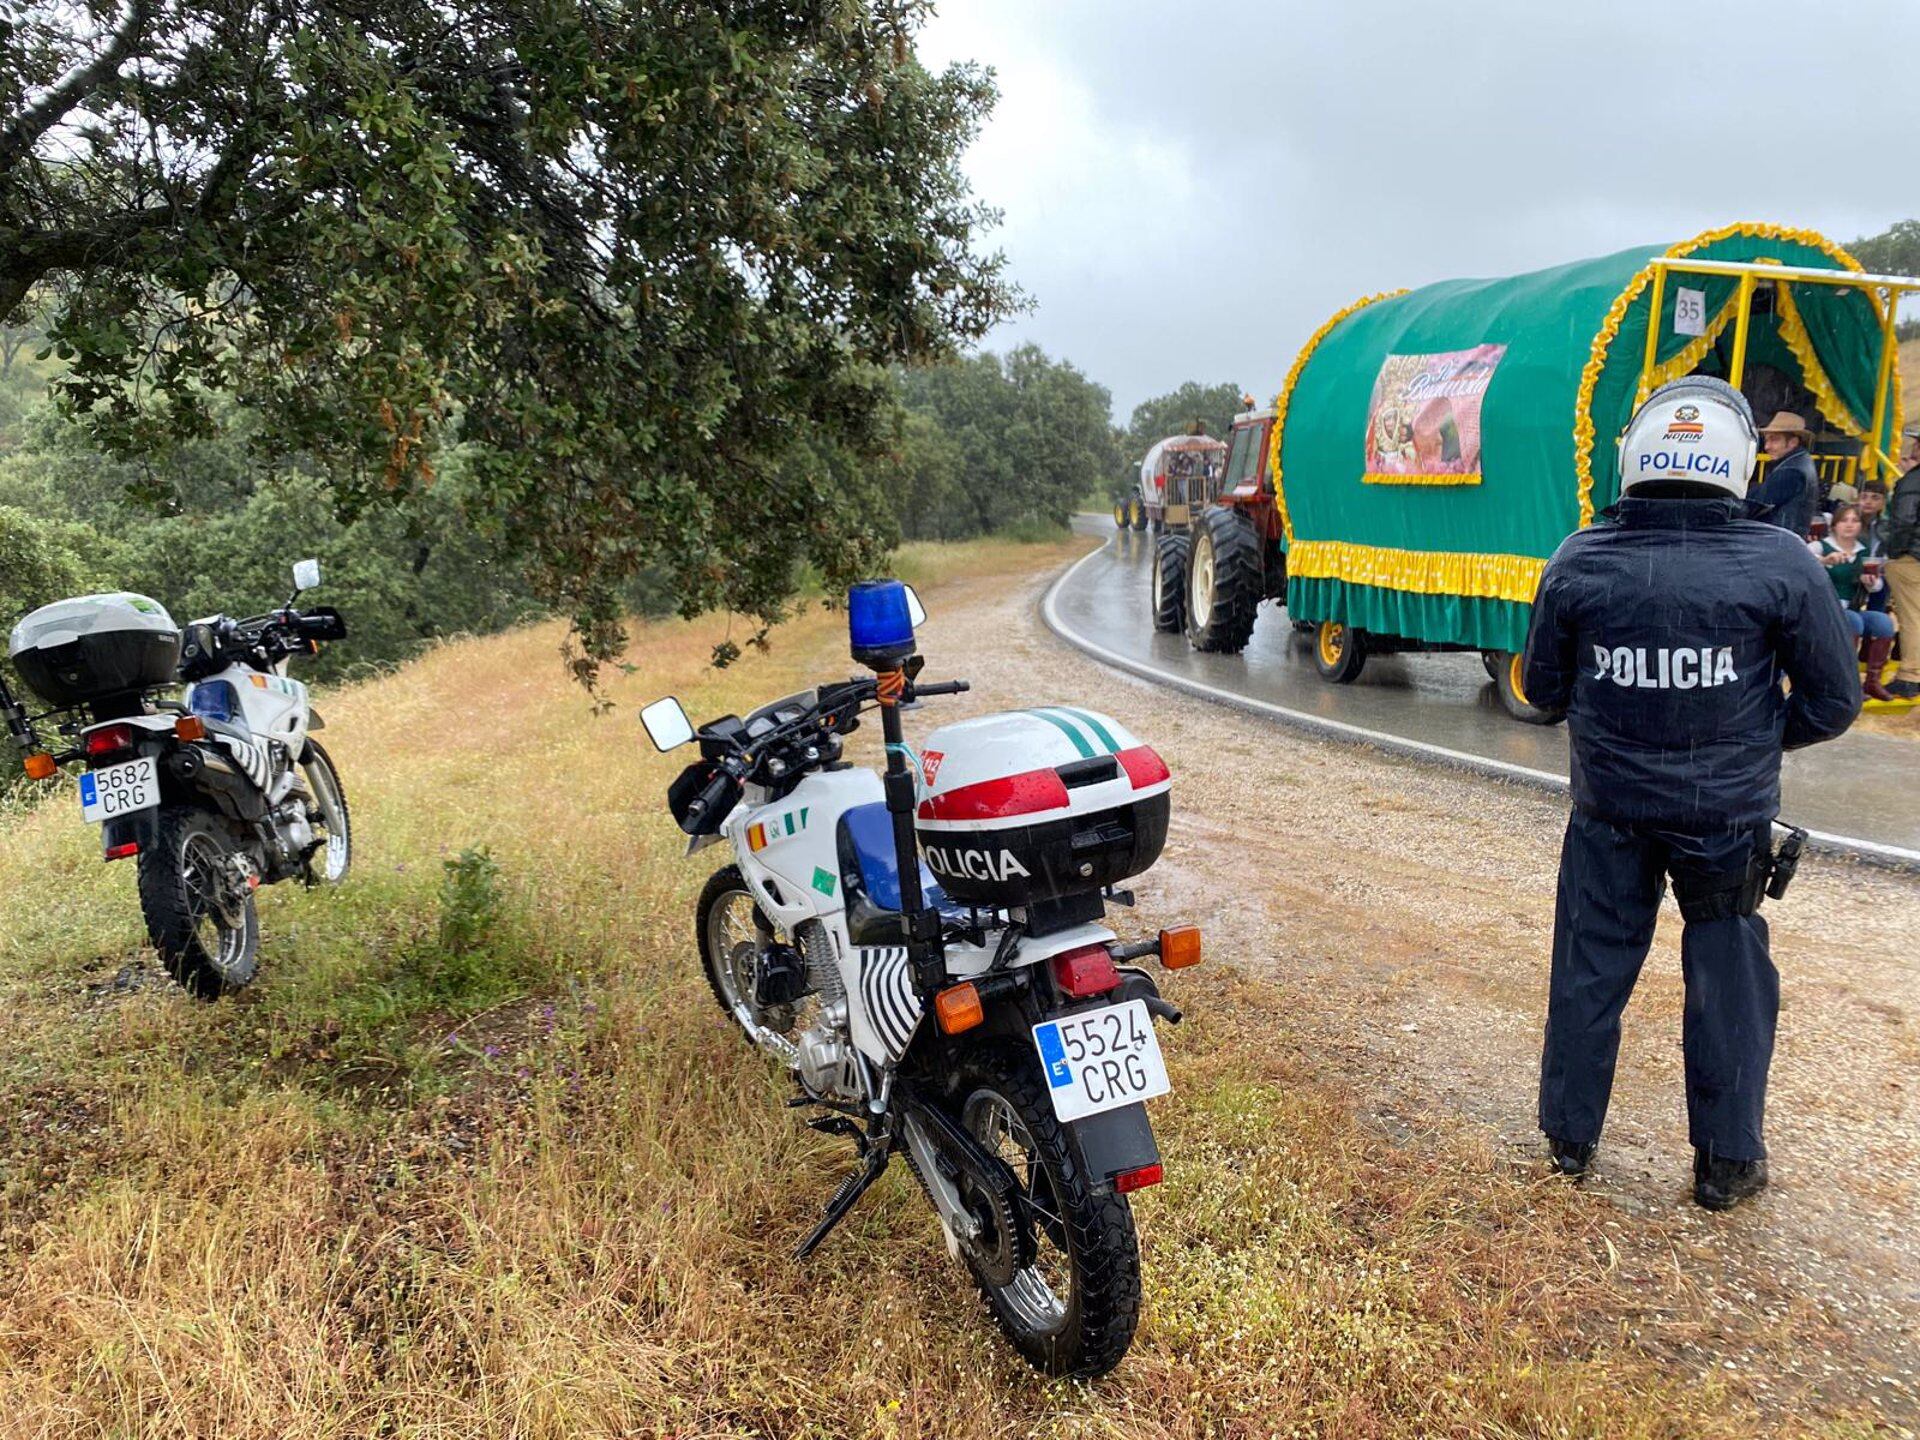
(870, 872)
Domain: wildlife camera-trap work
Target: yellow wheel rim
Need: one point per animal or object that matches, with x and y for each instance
(1333, 642)
(1513, 677)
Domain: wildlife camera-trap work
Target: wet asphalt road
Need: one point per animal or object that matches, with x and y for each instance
(1861, 790)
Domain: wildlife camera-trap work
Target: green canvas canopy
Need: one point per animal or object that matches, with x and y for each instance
(1433, 447)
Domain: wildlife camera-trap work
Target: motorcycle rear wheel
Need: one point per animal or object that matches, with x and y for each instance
(1073, 1310)
(199, 910)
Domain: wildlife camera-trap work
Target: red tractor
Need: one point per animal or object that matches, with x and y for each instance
(1210, 575)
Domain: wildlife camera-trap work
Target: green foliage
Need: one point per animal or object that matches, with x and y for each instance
(1175, 413)
(1895, 251)
(44, 560)
(457, 968)
(991, 442)
(208, 527)
(646, 263)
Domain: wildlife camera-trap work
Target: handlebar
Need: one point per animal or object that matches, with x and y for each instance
(716, 792)
(943, 687)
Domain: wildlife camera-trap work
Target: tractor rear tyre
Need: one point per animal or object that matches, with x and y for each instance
(1223, 580)
(1339, 652)
(1139, 515)
(1513, 697)
(1168, 595)
(1120, 515)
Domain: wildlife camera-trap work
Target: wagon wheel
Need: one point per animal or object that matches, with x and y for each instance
(1513, 695)
(1339, 652)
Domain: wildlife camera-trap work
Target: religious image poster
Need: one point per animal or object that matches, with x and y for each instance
(1424, 418)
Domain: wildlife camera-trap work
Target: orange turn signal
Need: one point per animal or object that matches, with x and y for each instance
(190, 727)
(1180, 947)
(39, 765)
(958, 1008)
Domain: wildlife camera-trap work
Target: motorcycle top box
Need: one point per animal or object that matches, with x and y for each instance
(1031, 805)
(95, 648)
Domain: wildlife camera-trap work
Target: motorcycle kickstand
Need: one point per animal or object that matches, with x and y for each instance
(878, 1152)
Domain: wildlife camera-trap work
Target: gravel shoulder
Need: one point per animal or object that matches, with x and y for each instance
(1404, 911)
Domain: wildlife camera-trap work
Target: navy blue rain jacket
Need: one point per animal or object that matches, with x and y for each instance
(1789, 491)
(1664, 631)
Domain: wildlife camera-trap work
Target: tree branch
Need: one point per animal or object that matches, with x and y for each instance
(33, 122)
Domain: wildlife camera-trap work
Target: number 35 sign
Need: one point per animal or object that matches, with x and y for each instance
(1689, 312)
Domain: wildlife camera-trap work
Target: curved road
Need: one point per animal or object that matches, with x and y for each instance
(1857, 794)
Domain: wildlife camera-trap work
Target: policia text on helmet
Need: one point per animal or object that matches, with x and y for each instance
(1665, 631)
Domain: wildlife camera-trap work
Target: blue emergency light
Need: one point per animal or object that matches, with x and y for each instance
(879, 623)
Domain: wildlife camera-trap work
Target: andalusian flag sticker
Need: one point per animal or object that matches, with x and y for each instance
(823, 881)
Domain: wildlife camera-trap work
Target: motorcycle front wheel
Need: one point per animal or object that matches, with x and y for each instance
(328, 864)
(197, 897)
(1073, 1309)
(732, 933)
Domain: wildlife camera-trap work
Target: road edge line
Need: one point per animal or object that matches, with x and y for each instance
(1887, 857)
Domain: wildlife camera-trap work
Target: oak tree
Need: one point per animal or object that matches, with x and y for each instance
(641, 258)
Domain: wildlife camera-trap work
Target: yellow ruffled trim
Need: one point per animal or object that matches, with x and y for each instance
(1382, 478)
(1583, 436)
(1420, 572)
(1286, 393)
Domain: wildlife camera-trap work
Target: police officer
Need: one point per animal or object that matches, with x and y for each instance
(1664, 631)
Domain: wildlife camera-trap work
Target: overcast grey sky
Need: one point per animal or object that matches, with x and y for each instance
(1192, 188)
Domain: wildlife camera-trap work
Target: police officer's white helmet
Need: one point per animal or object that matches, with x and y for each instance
(1698, 430)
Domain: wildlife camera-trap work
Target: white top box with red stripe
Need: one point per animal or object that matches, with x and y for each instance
(1031, 804)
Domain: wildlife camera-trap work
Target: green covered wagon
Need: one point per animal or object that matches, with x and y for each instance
(1430, 449)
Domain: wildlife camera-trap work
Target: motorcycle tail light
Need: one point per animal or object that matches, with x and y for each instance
(39, 765)
(1128, 1181)
(121, 852)
(1180, 947)
(108, 740)
(1144, 766)
(190, 727)
(1084, 972)
(958, 1008)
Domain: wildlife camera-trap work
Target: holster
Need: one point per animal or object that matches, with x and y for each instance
(1739, 892)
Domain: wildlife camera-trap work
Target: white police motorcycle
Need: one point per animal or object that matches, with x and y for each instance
(216, 793)
(975, 1015)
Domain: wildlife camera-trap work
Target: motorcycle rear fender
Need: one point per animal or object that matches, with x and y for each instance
(141, 828)
(965, 961)
(1115, 1142)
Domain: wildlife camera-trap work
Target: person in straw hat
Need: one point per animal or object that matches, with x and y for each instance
(1791, 487)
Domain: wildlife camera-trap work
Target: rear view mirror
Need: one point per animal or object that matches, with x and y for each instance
(667, 724)
(916, 612)
(306, 575)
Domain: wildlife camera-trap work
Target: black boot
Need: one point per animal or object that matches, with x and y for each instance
(1571, 1158)
(1721, 1184)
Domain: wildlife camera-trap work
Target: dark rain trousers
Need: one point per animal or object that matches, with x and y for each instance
(1612, 877)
